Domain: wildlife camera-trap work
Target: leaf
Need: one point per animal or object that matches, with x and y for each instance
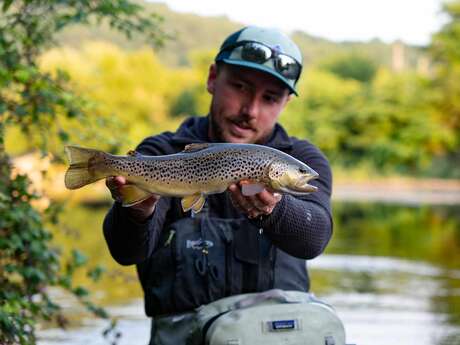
(63, 135)
(80, 291)
(22, 75)
(78, 259)
(96, 273)
(6, 5)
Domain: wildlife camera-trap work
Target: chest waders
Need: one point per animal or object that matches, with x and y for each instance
(203, 258)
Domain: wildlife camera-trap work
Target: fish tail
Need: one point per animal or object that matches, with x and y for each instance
(85, 166)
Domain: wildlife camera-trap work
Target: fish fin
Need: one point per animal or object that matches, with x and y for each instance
(132, 195)
(83, 166)
(196, 147)
(198, 206)
(251, 188)
(193, 202)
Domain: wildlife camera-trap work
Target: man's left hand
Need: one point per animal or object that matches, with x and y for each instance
(253, 206)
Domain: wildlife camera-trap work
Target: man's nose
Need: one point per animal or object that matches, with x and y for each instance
(251, 107)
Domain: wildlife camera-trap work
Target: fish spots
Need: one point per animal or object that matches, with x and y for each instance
(277, 169)
(219, 165)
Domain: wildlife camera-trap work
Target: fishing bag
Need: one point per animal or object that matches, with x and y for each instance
(270, 318)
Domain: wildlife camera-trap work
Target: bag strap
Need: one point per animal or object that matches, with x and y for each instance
(205, 328)
(274, 294)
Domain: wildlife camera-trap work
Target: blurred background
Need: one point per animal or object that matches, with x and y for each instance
(380, 95)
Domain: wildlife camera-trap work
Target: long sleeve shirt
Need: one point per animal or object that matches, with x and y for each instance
(300, 226)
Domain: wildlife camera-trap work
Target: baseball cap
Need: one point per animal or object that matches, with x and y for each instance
(249, 46)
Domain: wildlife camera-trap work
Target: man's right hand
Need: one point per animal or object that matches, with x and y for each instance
(138, 212)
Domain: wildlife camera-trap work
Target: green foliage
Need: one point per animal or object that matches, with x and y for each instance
(27, 265)
(445, 50)
(352, 66)
(184, 104)
(360, 112)
(191, 33)
(36, 101)
(131, 91)
(388, 125)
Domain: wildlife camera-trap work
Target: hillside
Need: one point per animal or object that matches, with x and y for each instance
(190, 32)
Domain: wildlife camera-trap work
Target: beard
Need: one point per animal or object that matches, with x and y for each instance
(215, 132)
(218, 122)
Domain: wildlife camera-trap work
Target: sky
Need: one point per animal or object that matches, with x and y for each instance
(412, 21)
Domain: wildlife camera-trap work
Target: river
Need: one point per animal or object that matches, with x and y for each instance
(391, 271)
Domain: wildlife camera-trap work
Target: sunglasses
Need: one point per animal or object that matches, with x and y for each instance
(260, 53)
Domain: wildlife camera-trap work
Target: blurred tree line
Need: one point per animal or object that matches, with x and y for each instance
(445, 50)
(190, 32)
(363, 114)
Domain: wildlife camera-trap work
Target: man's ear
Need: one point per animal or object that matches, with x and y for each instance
(212, 76)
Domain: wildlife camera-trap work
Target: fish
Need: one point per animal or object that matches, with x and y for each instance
(201, 169)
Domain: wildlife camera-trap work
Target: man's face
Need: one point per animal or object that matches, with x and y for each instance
(245, 104)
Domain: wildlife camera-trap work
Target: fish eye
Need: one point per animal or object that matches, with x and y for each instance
(303, 170)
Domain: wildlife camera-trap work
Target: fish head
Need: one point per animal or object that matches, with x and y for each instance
(291, 176)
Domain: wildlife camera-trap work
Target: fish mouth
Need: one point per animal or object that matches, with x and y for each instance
(306, 178)
(301, 186)
(300, 190)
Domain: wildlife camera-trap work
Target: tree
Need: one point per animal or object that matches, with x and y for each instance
(34, 100)
(352, 66)
(445, 51)
(385, 126)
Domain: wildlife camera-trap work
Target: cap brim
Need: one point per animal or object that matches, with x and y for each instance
(261, 68)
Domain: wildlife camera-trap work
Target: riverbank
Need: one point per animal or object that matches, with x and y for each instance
(399, 190)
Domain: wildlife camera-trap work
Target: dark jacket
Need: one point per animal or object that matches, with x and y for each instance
(247, 255)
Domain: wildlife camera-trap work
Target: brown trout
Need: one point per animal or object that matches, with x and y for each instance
(199, 170)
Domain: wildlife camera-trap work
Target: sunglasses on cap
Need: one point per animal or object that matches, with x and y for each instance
(260, 53)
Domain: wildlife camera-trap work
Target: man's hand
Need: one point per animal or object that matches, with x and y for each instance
(139, 212)
(256, 205)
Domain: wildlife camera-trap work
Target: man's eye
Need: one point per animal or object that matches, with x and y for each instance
(270, 99)
(239, 86)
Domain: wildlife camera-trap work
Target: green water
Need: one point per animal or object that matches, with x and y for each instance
(391, 271)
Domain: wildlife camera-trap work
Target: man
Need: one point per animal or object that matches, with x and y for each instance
(237, 244)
